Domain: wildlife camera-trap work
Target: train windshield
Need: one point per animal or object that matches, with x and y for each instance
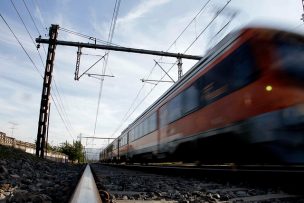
(291, 57)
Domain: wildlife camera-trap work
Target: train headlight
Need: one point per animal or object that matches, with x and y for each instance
(268, 88)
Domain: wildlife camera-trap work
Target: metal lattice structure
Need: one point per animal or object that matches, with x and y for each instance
(46, 90)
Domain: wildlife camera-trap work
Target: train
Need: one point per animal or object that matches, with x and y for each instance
(242, 103)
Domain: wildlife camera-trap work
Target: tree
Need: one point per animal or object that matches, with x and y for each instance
(74, 151)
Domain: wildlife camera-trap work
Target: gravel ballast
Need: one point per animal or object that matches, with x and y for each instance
(125, 185)
(27, 178)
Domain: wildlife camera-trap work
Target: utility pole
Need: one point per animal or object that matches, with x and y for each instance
(13, 127)
(46, 90)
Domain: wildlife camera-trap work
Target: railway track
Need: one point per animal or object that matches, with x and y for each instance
(121, 183)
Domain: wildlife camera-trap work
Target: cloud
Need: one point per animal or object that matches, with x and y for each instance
(141, 10)
(39, 16)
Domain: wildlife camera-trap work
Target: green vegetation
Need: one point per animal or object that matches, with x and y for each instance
(74, 151)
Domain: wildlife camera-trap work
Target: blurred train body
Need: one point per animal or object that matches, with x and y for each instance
(242, 103)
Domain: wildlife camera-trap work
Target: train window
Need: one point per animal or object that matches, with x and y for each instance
(243, 66)
(232, 73)
(190, 99)
(163, 115)
(175, 108)
(215, 82)
(291, 57)
(140, 129)
(124, 140)
(152, 122)
(137, 132)
(145, 126)
(131, 135)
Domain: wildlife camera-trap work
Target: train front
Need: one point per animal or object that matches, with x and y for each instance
(281, 88)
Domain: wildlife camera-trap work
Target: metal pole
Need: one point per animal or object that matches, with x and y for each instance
(101, 138)
(180, 69)
(77, 64)
(46, 90)
(118, 48)
(47, 131)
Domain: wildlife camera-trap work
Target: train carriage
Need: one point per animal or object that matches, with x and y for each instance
(243, 102)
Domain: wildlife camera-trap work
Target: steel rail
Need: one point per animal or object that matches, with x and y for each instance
(86, 190)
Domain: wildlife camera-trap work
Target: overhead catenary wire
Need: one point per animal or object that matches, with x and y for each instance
(35, 67)
(60, 103)
(128, 115)
(187, 26)
(62, 107)
(29, 12)
(28, 56)
(86, 36)
(110, 37)
(26, 29)
(216, 15)
(223, 28)
(65, 125)
(85, 72)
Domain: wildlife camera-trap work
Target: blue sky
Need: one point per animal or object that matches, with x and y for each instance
(148, 24)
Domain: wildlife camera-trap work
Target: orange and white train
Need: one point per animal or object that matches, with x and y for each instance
(242, 103)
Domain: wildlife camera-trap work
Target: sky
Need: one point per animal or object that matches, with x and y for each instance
(145, 24)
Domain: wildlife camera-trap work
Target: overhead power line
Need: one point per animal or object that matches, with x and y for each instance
(224, 27)
(58, 98)
(129, 112)
(110, 37)
(28, 32)
(127, 115)
(36, 68)
(64, 122)
(33, 22)
(217, 14)
(60, 103)
(86, 36)
(193, 19)
(62, 107)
